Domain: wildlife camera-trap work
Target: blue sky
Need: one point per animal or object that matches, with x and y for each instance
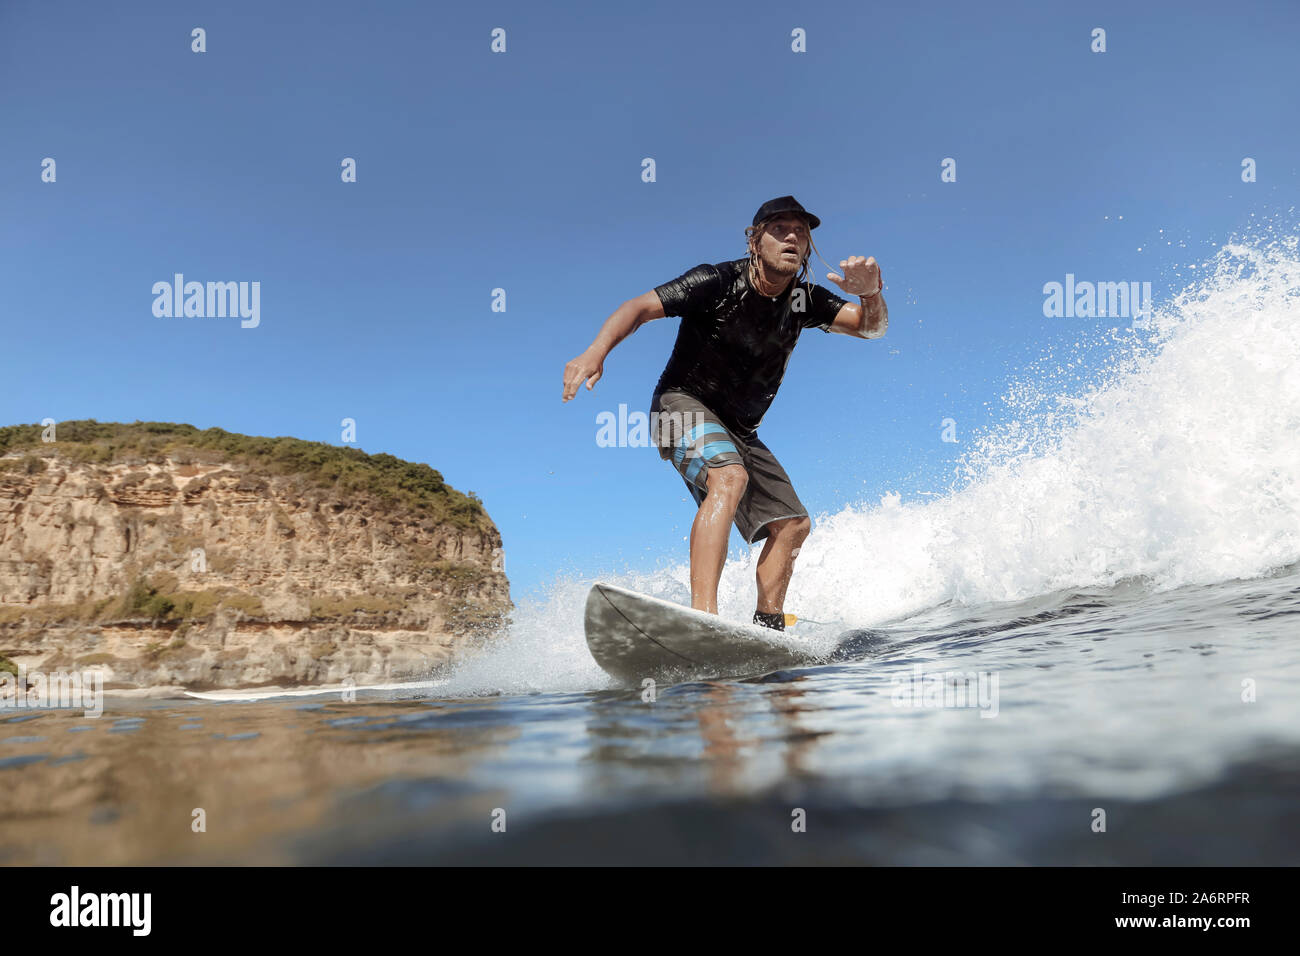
(522, 171)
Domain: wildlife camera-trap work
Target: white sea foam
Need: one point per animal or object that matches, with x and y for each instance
(1181, 467)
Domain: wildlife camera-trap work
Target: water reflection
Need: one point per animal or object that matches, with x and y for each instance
(1137, 705)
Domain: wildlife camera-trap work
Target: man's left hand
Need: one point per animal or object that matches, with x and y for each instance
(861, 276)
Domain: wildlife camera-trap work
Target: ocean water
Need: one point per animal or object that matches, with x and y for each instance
(1085, 652)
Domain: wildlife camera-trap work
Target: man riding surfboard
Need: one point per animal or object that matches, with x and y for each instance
(740, 322)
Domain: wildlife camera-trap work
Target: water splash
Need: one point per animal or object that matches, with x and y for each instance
(1179, 465)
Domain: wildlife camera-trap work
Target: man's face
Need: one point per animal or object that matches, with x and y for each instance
(784, 244)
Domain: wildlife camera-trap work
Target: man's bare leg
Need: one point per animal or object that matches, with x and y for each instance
(776, 563)
(709, 533)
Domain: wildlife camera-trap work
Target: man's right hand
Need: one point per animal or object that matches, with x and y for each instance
(587, 367)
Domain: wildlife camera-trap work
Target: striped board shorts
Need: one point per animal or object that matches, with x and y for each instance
(694, 439)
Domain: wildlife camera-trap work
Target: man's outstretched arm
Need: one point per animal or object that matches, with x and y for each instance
(626, 319)
(869, 318)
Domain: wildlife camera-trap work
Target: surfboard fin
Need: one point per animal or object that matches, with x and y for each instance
(791, 620)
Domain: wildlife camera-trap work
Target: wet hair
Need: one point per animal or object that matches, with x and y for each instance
(754, 234)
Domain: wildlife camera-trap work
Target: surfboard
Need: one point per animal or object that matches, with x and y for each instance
(633, 636)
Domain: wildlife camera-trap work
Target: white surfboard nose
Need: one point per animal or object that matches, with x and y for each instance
(634, 636)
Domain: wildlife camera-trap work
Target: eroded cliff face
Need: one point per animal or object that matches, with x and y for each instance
(204, 575)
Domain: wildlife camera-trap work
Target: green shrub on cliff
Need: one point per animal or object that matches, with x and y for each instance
(342, 469)
(28, 465)
(143, 600)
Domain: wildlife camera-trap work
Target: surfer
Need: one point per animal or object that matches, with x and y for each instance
(740, 322)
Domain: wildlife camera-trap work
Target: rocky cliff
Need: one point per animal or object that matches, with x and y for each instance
(163, 555)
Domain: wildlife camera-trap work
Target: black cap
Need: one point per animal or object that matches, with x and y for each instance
(774, 207)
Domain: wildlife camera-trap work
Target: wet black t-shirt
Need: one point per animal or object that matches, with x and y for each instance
(734, 342)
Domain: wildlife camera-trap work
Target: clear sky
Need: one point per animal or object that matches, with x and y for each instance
(522, 171)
